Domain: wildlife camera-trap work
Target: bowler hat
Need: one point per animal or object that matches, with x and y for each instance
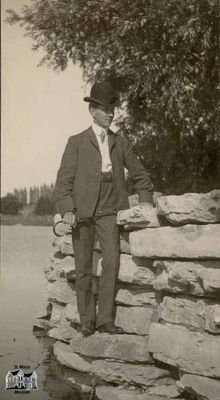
(103, 93)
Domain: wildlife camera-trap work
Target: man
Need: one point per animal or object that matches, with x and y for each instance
(90, 189)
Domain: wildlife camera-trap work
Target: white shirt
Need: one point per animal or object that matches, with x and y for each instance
(104, 148)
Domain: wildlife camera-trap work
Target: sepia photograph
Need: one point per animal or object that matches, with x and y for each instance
(110, 200)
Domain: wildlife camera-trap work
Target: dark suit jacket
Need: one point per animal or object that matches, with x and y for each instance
(79, 177)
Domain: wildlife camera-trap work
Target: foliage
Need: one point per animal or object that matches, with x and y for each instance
(10, 204)
(163, 56)
(44, 206)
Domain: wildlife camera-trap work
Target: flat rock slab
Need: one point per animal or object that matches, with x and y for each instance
(112, 371)
(64, 334)
(201, 387)
(170, 391)
(194, 313)
(191, 208)
(64, 245)
(64, 268)
(41, 324)
(136, 298)
(80, 381)
(69, 359)
(192, 352)
(130, 348)
(189, 241)
(199, 278)
(124, 243)
(112, 393)
(133, 270)
(139, 216)
(134, 319)
(62, 292)
(71, 313)
(57, 314)
(130, 374)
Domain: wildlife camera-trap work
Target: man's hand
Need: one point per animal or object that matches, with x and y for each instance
(70, 219)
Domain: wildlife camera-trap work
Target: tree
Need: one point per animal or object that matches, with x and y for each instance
(163, 55)
(10, 204)
(45, 206)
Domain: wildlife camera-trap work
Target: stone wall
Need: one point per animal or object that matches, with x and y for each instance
(168, 305)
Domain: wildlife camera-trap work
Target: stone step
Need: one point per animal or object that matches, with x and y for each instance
(131, 348)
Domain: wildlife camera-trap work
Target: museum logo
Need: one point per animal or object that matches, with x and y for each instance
(21, 380)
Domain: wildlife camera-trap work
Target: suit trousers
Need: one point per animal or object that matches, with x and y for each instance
(107, 232)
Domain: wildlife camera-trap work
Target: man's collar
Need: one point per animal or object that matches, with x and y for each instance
(98, 129)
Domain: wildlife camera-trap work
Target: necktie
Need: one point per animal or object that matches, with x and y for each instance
(103, 134)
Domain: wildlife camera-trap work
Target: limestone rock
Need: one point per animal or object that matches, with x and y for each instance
(191, 208)
(71, 313)
(113, 393)
(80, 381)
(69, 359)
(200, 278)
(192, 313)
(56, 333)
(135, 270)
(57, 314)
(203, 388)
(189, 241)
(134, 319)
(131, 374)
(135, 298)
(64, 245)
(64, 268)
(62, 292)
(192, 352)
(124, 243)
(182, 311)
(130, 348)
(139, 216)
(212, 318)
(171, 391)
(41, 324)
(63, 331)
(132, 270)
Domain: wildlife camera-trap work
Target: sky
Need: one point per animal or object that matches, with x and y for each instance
(40, 110)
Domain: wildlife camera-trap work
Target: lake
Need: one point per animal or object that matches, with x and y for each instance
(25, 250)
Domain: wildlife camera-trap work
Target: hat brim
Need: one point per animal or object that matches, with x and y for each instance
(102, 103)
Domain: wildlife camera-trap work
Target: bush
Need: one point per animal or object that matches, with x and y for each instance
(44, 206)
(10, 204)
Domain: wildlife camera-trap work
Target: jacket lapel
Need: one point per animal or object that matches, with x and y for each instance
(92, 138)
(111, 140)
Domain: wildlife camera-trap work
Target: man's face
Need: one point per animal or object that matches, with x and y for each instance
(102, 115)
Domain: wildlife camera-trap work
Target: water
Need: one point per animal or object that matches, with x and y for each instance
(25, 251)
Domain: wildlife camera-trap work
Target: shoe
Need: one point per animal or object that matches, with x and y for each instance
(109, 327)
(88, 328)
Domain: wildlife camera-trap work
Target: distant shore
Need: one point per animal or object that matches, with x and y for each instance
(38, 220)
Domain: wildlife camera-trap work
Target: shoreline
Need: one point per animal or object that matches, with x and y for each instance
(33, 220)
